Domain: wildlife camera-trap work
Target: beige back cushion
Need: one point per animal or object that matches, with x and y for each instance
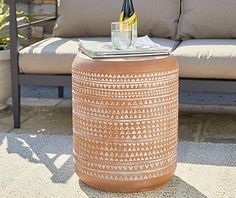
(203, 19)
(85, 18)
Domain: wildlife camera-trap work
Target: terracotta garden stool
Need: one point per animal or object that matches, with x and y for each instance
(125, 121)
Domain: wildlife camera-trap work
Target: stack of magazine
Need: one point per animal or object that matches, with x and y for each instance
(144, 47)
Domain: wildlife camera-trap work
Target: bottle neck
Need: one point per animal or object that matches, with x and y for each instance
(131, 6)
(126, 10)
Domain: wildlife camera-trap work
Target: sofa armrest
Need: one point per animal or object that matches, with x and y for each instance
(11, 2)
(14, 42)
(37, 22)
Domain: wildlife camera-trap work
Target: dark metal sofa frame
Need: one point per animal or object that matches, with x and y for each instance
(19, 79)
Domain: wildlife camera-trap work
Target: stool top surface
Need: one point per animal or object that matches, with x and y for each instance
(120, 65)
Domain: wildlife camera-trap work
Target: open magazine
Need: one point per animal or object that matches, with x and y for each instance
(144, 47)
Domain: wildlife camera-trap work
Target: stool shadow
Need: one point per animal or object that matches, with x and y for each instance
(36, 149)
(174, 188)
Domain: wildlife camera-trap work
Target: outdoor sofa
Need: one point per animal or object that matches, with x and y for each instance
(200, 33)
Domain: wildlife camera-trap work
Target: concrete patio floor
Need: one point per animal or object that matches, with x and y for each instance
(36, 160)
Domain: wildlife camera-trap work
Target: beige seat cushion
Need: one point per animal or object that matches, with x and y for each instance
(86, 18)
(207, 19)
(50, 56)
(55, 55)
(203, 58)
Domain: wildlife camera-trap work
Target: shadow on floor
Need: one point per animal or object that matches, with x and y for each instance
(54, 153)
(1, 139)
(207, 153)
(175, 188)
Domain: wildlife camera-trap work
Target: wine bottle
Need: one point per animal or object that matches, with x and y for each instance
(128, 15)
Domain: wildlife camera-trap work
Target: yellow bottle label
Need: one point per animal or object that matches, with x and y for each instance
(132, 19)
(121, 16)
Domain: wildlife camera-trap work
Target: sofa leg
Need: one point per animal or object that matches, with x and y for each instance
(16, 100)
(60, 92)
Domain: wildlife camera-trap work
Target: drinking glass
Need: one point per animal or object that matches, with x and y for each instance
(121, 35)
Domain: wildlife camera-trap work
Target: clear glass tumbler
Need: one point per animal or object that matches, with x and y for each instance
(121, 35)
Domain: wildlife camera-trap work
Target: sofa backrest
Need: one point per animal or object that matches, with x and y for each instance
(203, 19)
(86, 18)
